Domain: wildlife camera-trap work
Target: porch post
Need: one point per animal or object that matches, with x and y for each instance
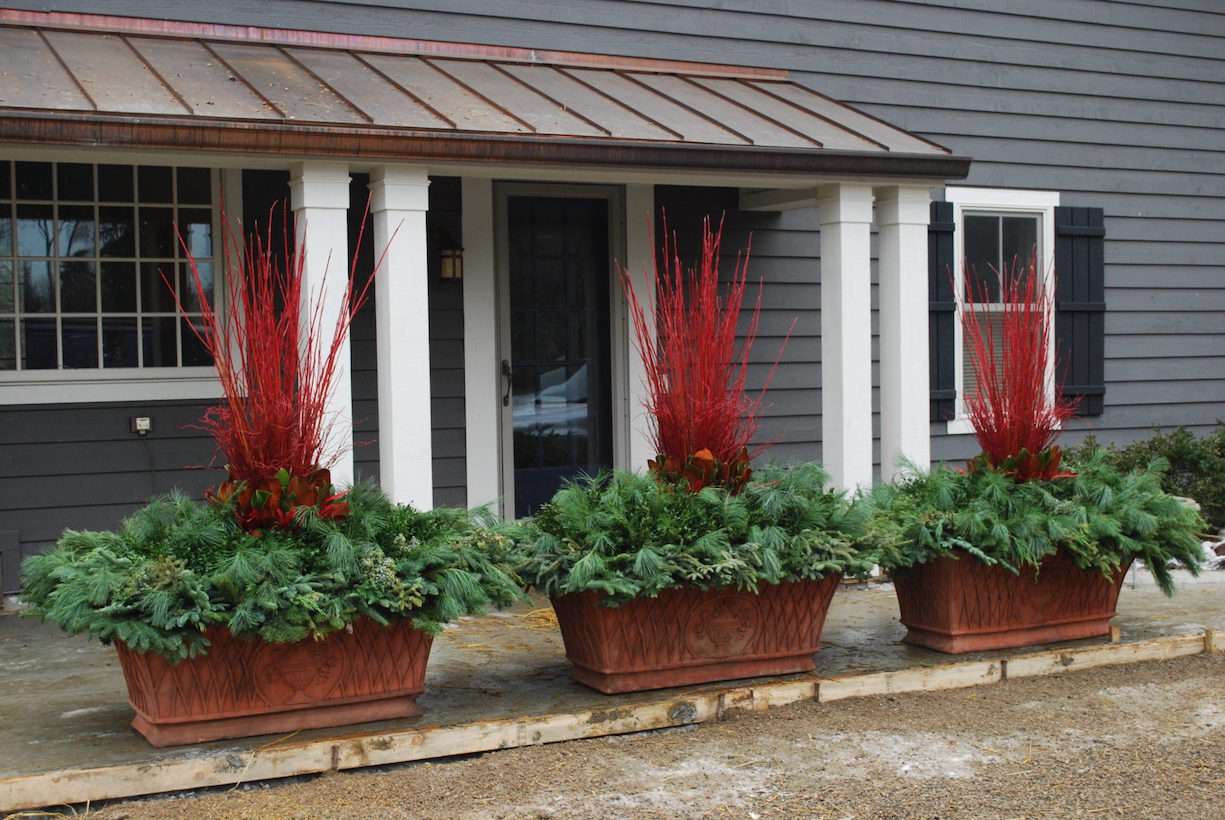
(482, 380)
(640, 263)
(845, 213)
(399, 202)
(319, 196)
(902, 214)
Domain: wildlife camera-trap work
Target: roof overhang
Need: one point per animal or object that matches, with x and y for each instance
(137, 84)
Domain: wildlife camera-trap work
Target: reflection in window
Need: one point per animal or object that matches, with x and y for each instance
(994, 246)
(90, 262)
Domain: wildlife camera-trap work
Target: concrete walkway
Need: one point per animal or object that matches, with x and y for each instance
(65, 707)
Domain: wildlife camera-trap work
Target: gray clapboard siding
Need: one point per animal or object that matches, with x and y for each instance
(79, 466)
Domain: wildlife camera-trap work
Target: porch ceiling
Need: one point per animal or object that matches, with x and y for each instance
(73, 79)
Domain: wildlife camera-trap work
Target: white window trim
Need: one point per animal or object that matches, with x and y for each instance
(99, 385)
(1040, 203)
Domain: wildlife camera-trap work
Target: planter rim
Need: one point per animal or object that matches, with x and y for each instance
(761, 585)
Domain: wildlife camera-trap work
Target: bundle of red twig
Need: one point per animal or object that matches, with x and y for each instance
(1015, 414)
(276, 358)
(701, 416)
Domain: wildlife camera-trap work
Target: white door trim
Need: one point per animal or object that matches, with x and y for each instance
(618, 319)
(482, 464)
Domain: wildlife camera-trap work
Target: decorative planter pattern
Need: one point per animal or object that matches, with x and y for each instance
(249, 687)
(687, 635)
(958, 605)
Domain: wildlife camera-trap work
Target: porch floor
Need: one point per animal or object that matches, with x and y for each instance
(65, 707)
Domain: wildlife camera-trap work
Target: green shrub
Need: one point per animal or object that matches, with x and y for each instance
(1197, 465)
(178, 566)
(1103, 518)
(631, 536)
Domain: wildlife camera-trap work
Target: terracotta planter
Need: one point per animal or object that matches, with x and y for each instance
(248, 687)
(687, 636)
(963, 605)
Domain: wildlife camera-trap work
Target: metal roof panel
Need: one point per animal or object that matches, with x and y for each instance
(378, 97)
(468, 110)
(285, 84)
(202, 80)
(115, 77)
(32, 76)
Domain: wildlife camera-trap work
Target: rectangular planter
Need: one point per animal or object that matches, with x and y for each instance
(686, 636)
(249, 687)
(958, 605)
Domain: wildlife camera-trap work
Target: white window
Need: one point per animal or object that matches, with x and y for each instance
(89, 267)
(995, 229)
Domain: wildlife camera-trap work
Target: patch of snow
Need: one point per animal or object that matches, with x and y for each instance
(919, 755)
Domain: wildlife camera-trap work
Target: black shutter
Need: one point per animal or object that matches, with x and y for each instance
(1080, 306)
(942, 312)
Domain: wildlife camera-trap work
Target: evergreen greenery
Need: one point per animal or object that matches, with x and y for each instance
(629, 536)
(1197, 465)
(1103, 518)
(179, 566)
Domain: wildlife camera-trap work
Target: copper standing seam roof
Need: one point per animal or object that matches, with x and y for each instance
(89, 79)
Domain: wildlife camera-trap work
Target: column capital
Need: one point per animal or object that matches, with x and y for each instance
(318, 184)
(903, 205)
(844, 202)
(399, 188)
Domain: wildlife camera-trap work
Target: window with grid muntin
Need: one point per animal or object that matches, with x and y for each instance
(83, 252)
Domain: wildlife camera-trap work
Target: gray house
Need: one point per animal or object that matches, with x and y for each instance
(514, 153)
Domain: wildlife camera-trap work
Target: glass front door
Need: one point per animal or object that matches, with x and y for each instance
(556, 373)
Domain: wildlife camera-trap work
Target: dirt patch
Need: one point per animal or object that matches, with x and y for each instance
(1145, 740)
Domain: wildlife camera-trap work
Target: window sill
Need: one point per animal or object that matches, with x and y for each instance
(68, 387)
(958, 427)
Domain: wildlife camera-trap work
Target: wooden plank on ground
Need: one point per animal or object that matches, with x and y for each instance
(1069, 660)
(920, 679)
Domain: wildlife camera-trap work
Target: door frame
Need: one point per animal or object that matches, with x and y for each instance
(618, 320)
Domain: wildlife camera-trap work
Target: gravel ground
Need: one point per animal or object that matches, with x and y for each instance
(1140, 741)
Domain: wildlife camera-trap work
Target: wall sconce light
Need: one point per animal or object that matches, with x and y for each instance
(452, 266)
(450, 255)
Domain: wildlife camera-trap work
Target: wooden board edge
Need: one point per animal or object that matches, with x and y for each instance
(915, 679)
(1068, 660)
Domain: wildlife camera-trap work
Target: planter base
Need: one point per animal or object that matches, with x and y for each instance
(958, 605)
(1026, 636)
(612, 683)
(319, 717)
(686, 636)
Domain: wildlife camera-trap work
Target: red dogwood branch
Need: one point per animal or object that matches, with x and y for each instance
(1011, 408)
(276, 357)
(696, 369)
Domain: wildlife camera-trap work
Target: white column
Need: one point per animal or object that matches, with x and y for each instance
(319, 194)
(640, 262)
(230, 239)
(901, 216)
(398, 206)
(481, 376)
(845, 213)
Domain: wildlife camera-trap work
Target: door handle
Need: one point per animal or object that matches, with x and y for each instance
(507, 373)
